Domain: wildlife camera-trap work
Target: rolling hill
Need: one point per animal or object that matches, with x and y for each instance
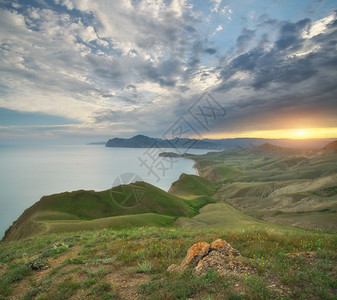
(130, 205)
(284, 185)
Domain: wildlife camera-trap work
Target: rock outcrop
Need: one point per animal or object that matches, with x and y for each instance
(225, 248)
(219, 256)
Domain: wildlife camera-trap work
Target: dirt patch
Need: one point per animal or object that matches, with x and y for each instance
(127, 285)
(305, 254)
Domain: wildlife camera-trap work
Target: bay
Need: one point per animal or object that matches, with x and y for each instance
(29, 172)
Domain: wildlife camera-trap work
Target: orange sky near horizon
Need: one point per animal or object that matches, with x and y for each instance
(296, 133)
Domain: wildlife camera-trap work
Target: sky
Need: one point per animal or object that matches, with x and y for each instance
(80, 70)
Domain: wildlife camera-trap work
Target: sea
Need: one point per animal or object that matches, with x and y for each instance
(29, 172)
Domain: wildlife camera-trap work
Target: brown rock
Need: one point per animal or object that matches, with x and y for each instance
(217, 256)
(195, 254)
(222, 264)
(174, 268)
(214, 260)
(224, 247)
(239, 267)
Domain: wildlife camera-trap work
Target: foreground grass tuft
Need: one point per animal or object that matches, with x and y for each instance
(145, 267)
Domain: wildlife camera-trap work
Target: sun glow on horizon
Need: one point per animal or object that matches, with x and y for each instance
(303, 133)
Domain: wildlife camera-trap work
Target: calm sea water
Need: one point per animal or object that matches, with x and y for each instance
(28, 173)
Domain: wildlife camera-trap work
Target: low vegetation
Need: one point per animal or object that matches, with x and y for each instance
(138, 204)
(131, 263)
(286, 186)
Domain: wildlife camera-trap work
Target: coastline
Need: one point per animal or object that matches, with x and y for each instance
(195, 167)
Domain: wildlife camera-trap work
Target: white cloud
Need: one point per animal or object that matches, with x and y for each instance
(219, 28)
(145, 26)
(216, 5)
(318, 27)
(67, 3)
(50, 63)
(205, 79)
(227, 11)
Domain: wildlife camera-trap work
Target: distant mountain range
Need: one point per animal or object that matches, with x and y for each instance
(142, 141)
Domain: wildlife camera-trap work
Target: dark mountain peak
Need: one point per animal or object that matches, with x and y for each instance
(138, 141)
(140, 137)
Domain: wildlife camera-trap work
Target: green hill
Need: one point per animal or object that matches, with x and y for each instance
(195, 190)
(188, 185)
(80, 210)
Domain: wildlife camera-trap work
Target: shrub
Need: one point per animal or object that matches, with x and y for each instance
(145, 267)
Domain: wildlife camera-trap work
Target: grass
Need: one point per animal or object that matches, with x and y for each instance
(148, 251)
(183, 285)
(257, 287)
(15, 272)
(63, 290)
(221, 215)
(193, 185)
(102, 289)
(120, 200)
(89, 210)
(221, 173)
(145, 267)
(138, 220)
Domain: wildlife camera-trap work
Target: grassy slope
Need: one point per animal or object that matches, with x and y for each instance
(82, 210)
(224, 216)
(132, 263)
(117, 222)
(196, 191)
(287, 186)
(88, 205)
(193, 185)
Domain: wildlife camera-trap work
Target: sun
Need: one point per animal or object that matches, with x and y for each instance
(300, 133)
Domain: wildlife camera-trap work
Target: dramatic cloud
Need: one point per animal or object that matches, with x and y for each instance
(120, 67)
(288, 74)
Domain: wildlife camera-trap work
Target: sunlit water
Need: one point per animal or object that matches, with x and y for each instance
(28, 173)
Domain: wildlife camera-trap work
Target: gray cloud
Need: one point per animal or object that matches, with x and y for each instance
(139, 67)
(243, 40)
(294, 78)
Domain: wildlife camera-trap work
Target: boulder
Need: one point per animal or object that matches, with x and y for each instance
(217, 256)
(225, 248)
(195, 254)
(215, 260)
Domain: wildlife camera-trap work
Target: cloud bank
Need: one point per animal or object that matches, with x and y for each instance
(125, 67)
